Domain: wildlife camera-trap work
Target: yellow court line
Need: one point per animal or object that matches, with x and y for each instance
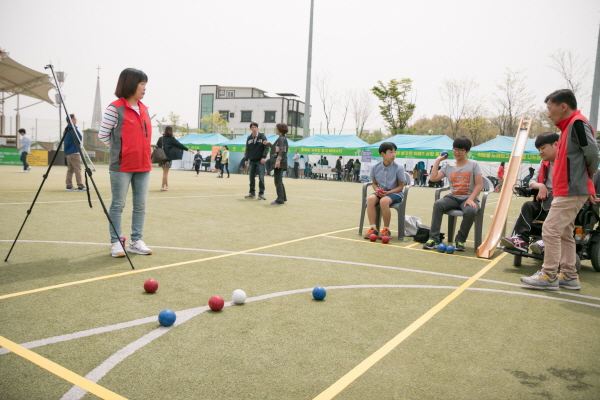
(403, 247)
(361, 368)
(137, 271)
(60, 371)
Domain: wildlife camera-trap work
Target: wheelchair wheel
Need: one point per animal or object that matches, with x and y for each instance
(596, 256)
(577, 263)
(517, 260)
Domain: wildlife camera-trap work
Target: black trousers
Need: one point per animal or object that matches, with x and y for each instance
(278, 180)
(197, 167)
(225, 166)
(530, 211)
(296, 166)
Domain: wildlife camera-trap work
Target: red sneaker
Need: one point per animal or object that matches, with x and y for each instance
(371, 232)
(385, 232)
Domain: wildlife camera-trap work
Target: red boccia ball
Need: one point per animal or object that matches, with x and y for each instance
(385, 239)
(373, 237)
(216, 303)
(150, 286)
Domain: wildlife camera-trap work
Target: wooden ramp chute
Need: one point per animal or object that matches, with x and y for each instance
(486, 250)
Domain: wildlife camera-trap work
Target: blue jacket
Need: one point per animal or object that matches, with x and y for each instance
(69, 144)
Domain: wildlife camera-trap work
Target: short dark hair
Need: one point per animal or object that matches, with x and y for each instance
(226, 147)
(385, 146)
(70, 115)
(22, 130)
(253, 124)
(563, 96)
(282, 128)
(128, 82)
(462, 143)
(546, 138)
(168, 131)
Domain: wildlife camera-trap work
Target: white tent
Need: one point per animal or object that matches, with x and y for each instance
(16, 79)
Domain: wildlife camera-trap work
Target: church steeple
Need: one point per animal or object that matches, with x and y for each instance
(97, 115)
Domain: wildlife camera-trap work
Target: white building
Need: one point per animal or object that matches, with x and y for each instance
(242, 105)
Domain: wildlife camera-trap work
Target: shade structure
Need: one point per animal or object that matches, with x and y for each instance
(500, 148)
(202, 141)
(417, 146)
(339, 145)
(16, 79)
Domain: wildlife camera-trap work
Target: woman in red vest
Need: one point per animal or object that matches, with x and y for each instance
(127, 130)
(500, 177)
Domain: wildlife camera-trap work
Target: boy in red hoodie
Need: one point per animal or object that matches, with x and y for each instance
(575, 164)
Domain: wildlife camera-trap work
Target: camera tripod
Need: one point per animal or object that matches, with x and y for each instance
(88, 172)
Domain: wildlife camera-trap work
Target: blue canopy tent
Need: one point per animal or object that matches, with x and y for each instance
(416, 146)
(197, 141)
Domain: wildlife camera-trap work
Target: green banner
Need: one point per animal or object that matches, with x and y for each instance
(201, 147)
(9, 156)
(499, 157)
(326, 151)
(420, 154)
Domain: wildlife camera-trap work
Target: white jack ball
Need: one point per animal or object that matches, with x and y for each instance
(238, 296)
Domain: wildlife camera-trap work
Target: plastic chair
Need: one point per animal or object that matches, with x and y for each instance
(399, 207)
(488, 187)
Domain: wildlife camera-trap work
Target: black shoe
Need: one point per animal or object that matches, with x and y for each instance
(250, 196)
(459, 246)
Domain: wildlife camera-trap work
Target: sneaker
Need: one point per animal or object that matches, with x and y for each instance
(70, 188)
(116, 250)
(538, 247)
(28, 168)
(541, 280)
(459, 246)
(139, 247)
(430, 244)
(515, 243)
(385, 232)
(25, 170)
(261, 197)
(81, 189)
(567, 283)
(371, 232)
(274, 203)
(250, 196)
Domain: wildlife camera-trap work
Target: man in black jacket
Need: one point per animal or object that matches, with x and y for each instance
(256, 154)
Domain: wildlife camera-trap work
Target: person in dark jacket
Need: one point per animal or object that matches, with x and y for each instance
(170, 145)
(256, 155)
(218, 165)
(73, 157)
(279, 151)
(338, 168)
(197, 162)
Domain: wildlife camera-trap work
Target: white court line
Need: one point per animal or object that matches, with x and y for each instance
(148, 198)
(417, 271)
(76, 393)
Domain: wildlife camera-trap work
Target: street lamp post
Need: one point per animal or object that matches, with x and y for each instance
(60, 76)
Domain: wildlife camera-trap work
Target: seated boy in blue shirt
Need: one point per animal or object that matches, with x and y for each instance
(388, 181)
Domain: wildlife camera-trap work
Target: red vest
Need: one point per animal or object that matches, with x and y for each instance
(131, 139)
(543, 175)
(564, 183)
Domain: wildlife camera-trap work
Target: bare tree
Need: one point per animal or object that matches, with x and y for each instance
(457, 96)
(328, 98)
(344, 107)
(513, 101)
(362, 107)
(571, 69)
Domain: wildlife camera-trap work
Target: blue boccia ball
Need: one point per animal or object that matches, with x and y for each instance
(441, 247)
(167, 317)
(444, 153)
(450, 249)
(319, 293)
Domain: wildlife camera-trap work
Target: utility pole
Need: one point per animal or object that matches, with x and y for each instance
(306, 129)
(596, 89)
(60, 76)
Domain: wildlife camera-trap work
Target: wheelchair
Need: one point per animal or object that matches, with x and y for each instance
(586, 234)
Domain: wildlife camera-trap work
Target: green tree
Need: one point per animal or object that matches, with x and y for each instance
(397, 109)
(214, 123)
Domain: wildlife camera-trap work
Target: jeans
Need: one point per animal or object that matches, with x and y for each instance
(223, 167)
(256, 166)
(119, 185)
(447, 203)
(24, 161)
(278, 180)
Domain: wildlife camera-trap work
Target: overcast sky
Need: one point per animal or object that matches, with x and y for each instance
(263, 44)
